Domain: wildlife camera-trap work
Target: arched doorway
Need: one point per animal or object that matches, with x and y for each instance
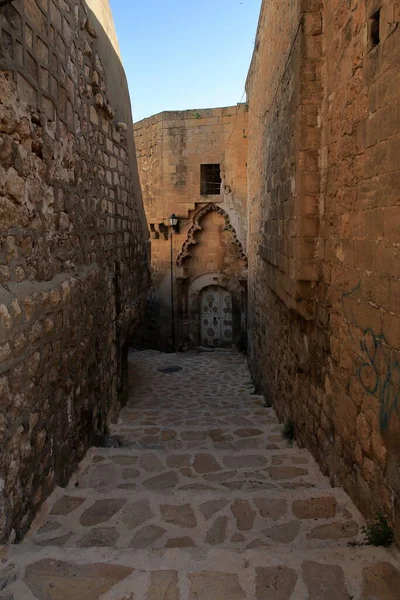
(216, 318)
(228, 295)
(211, 268)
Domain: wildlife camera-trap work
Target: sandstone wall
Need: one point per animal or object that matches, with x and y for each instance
(171, 147)
(73, 260)
(324, 229)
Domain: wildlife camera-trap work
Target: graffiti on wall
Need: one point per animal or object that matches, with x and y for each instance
(378, 367)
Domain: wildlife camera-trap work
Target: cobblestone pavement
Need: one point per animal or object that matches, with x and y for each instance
(201, 500)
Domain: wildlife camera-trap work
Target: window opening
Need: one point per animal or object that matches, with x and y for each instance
(210, 180)
(375, 26)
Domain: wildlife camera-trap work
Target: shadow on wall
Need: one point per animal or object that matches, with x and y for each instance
(148, 336)
(63, 297)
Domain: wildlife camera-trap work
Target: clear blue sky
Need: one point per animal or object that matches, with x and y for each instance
(183, 54)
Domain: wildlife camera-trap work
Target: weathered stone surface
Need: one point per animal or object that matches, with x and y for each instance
(161, 482)
(217, 247)
(257, 543)
(215, 585)
(180, 542)
(220, 477)
(220, 435)
(244, 514)
(302, 300)
(130, 473)
(136, 513)
(285, 533)
(179, 460)
(241, 421)
(151, 463)
(271, 508)
(196, 486)
(163, 586)
(217, 532)
(381, 581)
(56, 542)
(102, 476)
(315, 508)
(275, 583)
(127, 486)
(240, 462)
(324, 581)
(121, 459)
(55, 580)
(100, 512)
(187, 472)
(216, 543)
(286, 472)
(300, 460)
(65, 505)
(334, 531)
(147, 536)
(74, 266)
(211, 507)
(193, 435)
(49, 526)
(98, 459)
(181, 515)
(205, 463)
(249, 432)
(168, 435)
(105, 537)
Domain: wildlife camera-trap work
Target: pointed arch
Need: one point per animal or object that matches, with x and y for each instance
(190, 241)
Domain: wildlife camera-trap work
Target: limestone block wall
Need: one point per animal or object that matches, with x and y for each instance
(171, 146)
(324, 229)
(74, 253)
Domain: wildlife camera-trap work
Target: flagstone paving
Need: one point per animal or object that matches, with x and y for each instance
(199, 498)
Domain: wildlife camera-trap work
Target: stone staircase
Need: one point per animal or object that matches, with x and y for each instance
(202, 500)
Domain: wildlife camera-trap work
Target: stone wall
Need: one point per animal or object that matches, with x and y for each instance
(73, 260)
(171, 147)
(324, 230)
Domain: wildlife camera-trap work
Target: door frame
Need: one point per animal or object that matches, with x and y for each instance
(236, 287)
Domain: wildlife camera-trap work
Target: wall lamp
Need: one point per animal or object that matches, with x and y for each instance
(174, 222)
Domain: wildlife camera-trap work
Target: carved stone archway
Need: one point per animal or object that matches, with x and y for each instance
(190, 241)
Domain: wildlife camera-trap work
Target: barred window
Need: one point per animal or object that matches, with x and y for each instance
(210, 180)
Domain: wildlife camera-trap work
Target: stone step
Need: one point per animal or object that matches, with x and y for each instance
(141, 519)
(228, 429)
(255, 415)
(166, 471)
(199, 574)
(236, 437)
(237, 400)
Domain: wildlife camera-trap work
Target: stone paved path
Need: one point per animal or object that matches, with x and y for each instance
(203, 500)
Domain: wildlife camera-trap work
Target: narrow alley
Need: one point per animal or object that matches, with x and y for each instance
(201, 500)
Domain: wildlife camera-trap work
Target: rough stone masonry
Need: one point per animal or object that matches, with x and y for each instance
(74, 256)
(324, 233)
